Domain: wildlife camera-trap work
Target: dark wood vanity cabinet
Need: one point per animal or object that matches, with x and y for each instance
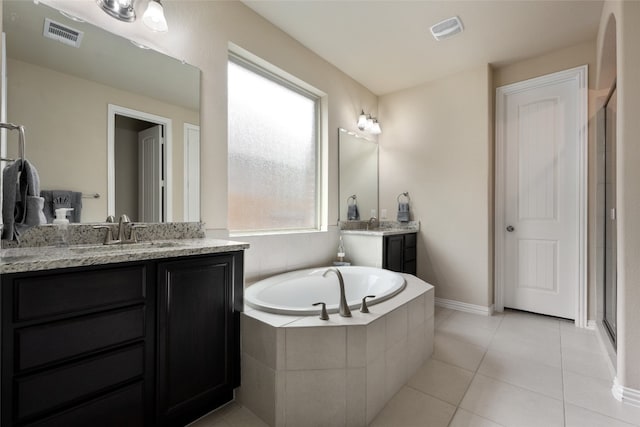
(198, 363)
(399, 253)
(132, 344)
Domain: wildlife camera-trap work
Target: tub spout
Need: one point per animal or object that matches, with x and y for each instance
(343, 309)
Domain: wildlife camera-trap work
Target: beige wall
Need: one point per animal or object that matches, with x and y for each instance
(69, 148)
(563, 59)
(200, 33)
(627, 17)
(436, 146)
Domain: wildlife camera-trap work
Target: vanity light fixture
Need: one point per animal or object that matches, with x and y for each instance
(369, 124)
(154, 17)
(119, 9)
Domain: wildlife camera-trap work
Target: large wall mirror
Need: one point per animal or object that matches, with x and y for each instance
(115, 121)
(358, 168)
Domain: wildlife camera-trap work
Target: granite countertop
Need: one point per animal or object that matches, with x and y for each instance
(15, 260)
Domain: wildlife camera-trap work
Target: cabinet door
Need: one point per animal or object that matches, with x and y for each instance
(195, 326)
(393, 253)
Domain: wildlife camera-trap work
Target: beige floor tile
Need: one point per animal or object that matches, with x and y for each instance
(580, 417)
(441, 380)
(523, 373)
(466, 332)
(464, 418)
(441, 314)
(510, 405)
(520, 347)
(595, 395)
(586, 363)
(534, 333)
(242, 417)
(464, 320)
(409, 408)
(458, 353)
(584, 341)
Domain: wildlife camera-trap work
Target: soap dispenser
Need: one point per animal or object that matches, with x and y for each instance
(62, 225)
(341, 255)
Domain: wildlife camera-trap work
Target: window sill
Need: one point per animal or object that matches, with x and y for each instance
(274, 232)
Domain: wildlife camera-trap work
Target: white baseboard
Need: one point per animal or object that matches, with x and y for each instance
(627, 395)
(463, 306)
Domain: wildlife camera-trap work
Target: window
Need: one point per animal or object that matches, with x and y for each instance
(273, 151)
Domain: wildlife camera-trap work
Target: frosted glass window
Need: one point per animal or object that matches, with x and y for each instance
(273, 152)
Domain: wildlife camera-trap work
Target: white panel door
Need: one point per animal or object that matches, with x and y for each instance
(151, 175)
(192, 172)
(541, 198)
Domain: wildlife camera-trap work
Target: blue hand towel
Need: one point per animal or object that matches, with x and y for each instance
(21, 204)
(403, 212)
(352, 212)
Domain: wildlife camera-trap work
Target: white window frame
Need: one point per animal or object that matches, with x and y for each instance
(262, 68)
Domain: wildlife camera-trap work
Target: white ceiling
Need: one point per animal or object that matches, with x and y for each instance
(387, 46)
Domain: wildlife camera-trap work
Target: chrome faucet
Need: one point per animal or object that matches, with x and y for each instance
(343, 308)
(373, 223)
(124, 219)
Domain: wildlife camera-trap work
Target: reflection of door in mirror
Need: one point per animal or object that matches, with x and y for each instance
(150, 175)
(138, 165)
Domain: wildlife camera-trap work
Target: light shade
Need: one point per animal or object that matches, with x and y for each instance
(362, 121)
(154, 17)
(119, 9)
(375, 128)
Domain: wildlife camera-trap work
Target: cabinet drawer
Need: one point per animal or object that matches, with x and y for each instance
(43, 344)
(123, 408)
(54, 294)
(53, 389)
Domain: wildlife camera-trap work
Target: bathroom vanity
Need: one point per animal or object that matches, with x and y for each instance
(133, 336)
(394, 249)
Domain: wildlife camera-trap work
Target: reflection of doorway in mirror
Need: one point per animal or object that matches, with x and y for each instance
(192, 172)
(139, 161)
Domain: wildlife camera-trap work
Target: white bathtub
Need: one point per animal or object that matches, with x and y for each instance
(294, 293)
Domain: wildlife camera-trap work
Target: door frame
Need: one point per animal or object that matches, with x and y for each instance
(114, 110)
(578, 74)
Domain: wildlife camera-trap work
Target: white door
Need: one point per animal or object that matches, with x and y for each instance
(151, 175)
(540, 229)
(192, 172)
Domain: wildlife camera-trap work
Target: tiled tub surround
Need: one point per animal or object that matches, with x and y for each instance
(300, 371)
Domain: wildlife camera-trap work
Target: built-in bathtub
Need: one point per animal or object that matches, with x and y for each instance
(294, 293)
(298, 370)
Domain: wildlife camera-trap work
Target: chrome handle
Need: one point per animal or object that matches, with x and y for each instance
(323, 311)
(363, 307)
(510, 229)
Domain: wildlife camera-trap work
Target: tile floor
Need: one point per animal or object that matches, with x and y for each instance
(511, 369)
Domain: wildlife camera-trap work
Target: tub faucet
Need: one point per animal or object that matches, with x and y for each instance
(343, 309)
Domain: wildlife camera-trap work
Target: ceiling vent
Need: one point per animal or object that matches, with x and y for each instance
(447, 28)
(57, 31)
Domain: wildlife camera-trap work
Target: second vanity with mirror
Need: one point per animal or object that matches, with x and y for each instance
(389, 244)
(139, 334)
